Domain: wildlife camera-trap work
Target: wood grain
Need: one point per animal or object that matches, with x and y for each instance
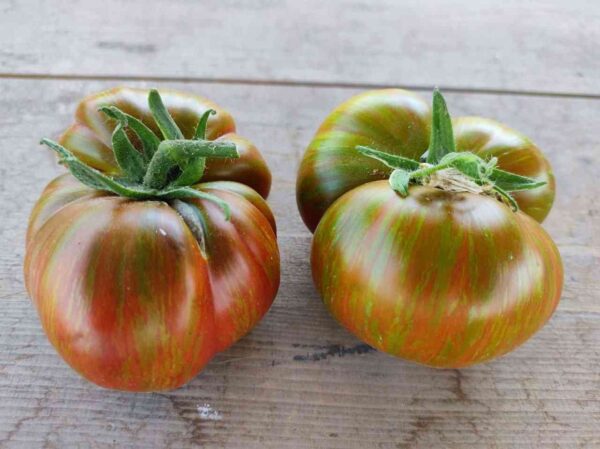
(299, 380)
(550, 46)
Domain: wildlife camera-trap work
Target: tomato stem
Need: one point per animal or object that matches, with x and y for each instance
(184, 154)
(426, 171)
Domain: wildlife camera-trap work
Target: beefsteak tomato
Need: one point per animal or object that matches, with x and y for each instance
(152, 255)
(435, 265)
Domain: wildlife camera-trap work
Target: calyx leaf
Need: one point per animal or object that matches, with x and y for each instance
(442, 136)
(93, 178)
(399, 180)
(391, 160)
(163, 119)
(149, 140)
(200, 133)
(511, 182)
(128, 158)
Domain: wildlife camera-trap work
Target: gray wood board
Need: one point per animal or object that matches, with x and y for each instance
(299, 380)
(542, 45)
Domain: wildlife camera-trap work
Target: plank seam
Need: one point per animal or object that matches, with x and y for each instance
(297, 83)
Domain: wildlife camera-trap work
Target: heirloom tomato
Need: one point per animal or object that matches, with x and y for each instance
(158, 250)
(437, 264)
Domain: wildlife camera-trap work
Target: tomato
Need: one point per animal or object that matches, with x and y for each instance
(434, 265)
(441, 278)
(139, 291)
(399, 122)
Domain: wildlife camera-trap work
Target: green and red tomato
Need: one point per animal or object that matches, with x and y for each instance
(435, 264)
(158, 250)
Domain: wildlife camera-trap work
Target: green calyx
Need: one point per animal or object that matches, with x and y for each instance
(161, 169)
(444, 167)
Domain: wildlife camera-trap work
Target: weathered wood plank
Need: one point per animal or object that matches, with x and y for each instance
(542, 45)
(299, 380)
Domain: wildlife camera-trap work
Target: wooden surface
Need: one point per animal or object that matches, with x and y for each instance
(299, 380)
(541, 46)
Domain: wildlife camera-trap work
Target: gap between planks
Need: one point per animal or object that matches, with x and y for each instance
(295, 83)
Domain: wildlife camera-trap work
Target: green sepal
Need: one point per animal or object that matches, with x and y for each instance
(163, 119)
(149, 140)
(512, 182)
(193, 217)
(190, 192)
(200, 133)
(507, 197)
(391, 160)
(442, 136)
(191, 172)
(399, 181)
(93, 178)
(128, 158)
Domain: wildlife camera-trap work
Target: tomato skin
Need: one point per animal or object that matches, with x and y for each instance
(125, 293)
(399, 122)
(390, 120)
(440, 278)
(132, 294)
(515, 153)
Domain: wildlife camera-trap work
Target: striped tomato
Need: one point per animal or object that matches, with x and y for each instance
(435, 265)
(141, 274)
